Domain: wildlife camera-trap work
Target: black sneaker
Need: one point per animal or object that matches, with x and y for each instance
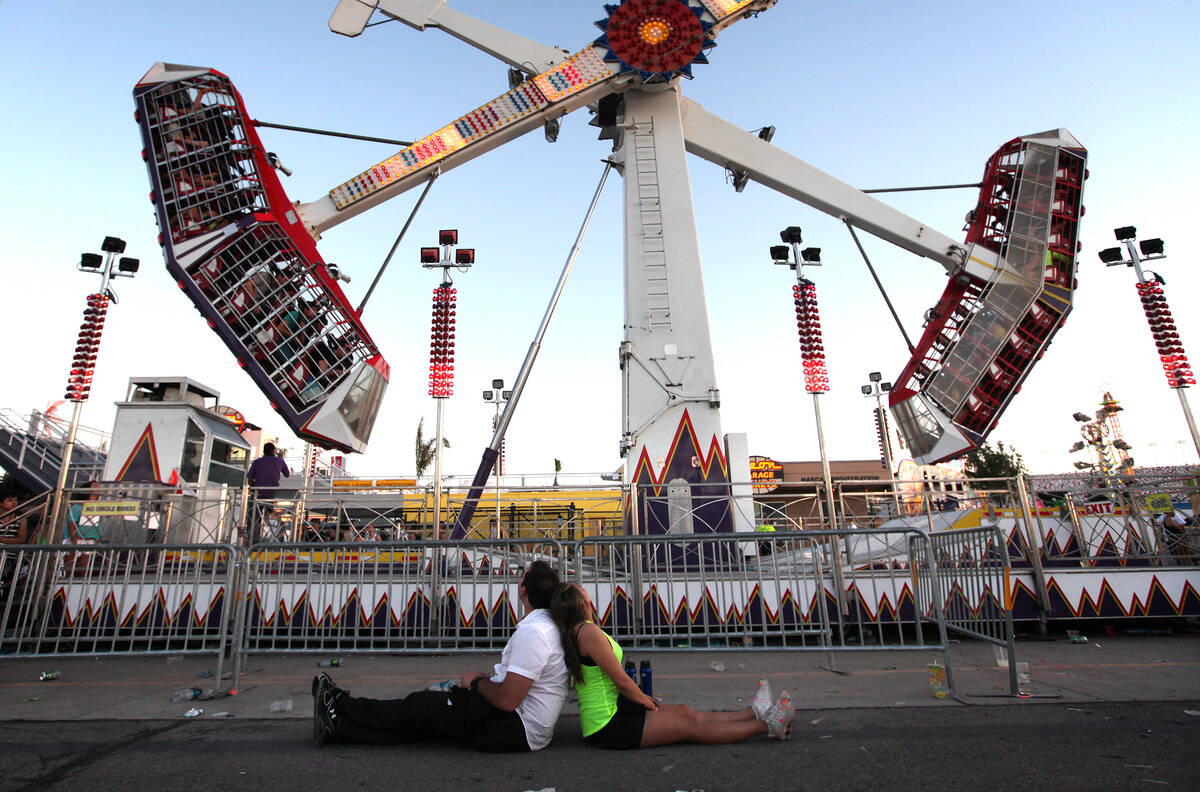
(325, 714)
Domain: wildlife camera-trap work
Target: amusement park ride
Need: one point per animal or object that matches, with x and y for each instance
(247, 257)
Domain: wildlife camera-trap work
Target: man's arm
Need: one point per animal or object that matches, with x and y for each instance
(506, 695)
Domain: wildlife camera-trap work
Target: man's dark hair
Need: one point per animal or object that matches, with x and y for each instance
(540, 581)
(268, 449)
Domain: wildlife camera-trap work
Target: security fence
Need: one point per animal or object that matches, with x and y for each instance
(813, 590)
(395, 596)
(967, 574)
(118, 599)
(889, 569)
(653, 593)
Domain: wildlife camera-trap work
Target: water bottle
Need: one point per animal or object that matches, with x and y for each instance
(187, 694)
(631, 670)
(332, 662)
(647, 678)
(47, 676)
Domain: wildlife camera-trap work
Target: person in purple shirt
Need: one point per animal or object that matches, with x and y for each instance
(264, 477)
(266, 471)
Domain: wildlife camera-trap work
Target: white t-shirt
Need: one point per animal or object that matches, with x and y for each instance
(535, 651)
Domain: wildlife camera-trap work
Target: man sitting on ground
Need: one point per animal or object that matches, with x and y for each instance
(514, 709)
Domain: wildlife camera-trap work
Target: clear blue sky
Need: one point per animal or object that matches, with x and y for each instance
(878, 94)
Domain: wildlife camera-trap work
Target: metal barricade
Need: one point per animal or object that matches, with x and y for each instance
(415, 597)
(761, 590)
(118, 600)
(963, 580)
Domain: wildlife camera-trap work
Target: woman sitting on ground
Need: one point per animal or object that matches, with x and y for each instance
(614, 713)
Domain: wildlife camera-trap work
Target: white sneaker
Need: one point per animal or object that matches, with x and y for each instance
(760, 703)
(779, 719)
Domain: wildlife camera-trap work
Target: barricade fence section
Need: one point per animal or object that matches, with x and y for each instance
(339, 598)
(967, 572)
(812, 590)
(1121, 525)
(118, 600)
(892, 566)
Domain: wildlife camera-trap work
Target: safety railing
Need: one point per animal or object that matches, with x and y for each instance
(118, 600)
(385, 597)
(36, 441)
(812, 590)
(962, 580)
(889, 583)
(130, 513)
(1120, 525)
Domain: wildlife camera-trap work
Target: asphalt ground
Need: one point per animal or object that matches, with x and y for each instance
(1118, 712)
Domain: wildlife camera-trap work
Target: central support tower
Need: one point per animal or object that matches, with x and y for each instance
(671, 422)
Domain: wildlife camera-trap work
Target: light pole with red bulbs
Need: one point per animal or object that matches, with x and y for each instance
(441, 344)
(1176, 368)
(79, 382)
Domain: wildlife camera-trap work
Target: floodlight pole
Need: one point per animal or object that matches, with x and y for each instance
(1127, 236)
(441, 354)
(816, 377)
(826, 474)
(877, 389)
(498, 397)
(79, 382)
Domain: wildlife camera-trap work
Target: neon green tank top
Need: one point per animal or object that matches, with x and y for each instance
(597, 694)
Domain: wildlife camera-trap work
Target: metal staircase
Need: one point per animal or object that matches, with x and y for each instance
(31, 449)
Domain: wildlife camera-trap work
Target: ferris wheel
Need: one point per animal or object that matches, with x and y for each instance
(239, 247)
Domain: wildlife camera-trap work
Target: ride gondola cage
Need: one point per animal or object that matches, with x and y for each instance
(237, 248)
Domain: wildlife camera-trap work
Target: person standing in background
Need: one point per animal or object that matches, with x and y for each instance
(264, 477)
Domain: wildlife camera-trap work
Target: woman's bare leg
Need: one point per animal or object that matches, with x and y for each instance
(725, 716)
(675, 723)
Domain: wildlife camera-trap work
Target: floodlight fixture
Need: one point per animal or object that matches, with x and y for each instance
(113, 245)
(866, 389)
(779, 253)
(128, 265)
(464, 256)
(1111, 256)
(506, 395)
(1082, 417)
(498, 383)
(886, 387)
(811, 255)
(430, 255)
(1151, 247)
(766, 133)
(1124, 233)
(487, 395)
(875, 376)
(91, 261)
(1083, 465)
(1077, 447)
(791, 235)
(448, 236)
(1120, 444)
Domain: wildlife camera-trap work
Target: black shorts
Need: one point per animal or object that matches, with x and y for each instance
(624, 730)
